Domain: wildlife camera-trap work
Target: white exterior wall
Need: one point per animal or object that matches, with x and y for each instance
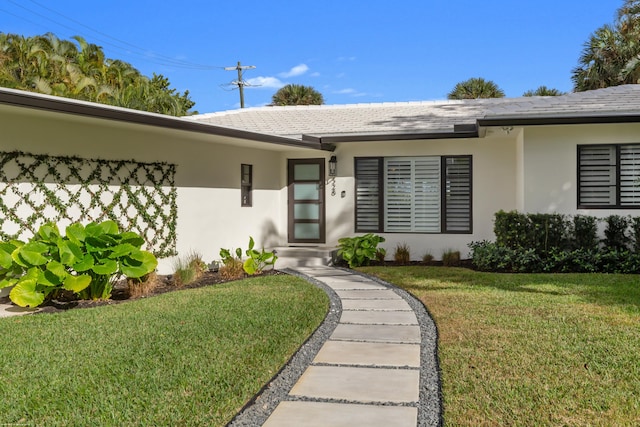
(494, 164)
(550, 165)
(207, 174)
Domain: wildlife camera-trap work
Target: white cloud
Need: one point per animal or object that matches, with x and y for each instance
(347, 91)
(265, 82)
(298, 70)
(316, 74)
(346, 58)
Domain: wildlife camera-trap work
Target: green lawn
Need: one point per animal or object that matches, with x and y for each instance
(532, 349)
(187, 358)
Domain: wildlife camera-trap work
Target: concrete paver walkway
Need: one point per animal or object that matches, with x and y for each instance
(368, 372)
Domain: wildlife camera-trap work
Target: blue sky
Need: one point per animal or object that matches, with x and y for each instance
(351, 51)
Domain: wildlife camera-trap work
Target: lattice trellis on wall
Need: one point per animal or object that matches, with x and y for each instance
(141, 197)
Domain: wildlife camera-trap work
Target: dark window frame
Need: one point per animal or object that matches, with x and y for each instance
(617, 157)
(246, 185)
(444, 227)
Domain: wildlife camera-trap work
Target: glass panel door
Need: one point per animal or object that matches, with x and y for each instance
(306, 201)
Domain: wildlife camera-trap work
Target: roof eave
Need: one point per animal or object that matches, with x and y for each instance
(460, 131)
(87, 109)
(560, 119)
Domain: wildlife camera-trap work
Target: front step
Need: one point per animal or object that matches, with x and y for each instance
(304, 256)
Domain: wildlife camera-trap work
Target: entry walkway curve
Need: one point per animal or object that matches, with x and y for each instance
(376, 367)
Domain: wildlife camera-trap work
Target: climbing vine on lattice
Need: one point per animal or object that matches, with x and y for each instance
(141, 197)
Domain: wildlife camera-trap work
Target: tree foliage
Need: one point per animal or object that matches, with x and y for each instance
(475, 88)
(293, 94)
(611, 55)
(543, 91)
(78, 69)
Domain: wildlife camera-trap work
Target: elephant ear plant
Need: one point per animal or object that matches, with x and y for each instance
(359, 250)
(87, 260)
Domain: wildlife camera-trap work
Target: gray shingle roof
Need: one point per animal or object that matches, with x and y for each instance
(422, 117)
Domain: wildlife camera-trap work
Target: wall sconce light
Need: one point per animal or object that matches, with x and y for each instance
(333, 166)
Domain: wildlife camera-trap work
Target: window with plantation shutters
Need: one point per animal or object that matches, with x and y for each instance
(427, 194)
(608, 176)
(457, 200)
(629, 175)
(368, 194)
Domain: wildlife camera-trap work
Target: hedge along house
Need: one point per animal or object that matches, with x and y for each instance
(427, 174)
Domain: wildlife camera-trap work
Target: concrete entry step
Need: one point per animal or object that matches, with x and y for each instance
(304, 256)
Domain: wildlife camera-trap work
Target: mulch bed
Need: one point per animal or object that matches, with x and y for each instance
(120, 293)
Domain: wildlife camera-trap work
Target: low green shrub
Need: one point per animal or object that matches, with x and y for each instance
(616, 236)
(584, 232)
(360, 250)
(541, 232)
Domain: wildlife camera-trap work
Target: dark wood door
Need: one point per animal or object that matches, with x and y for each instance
(306, 201)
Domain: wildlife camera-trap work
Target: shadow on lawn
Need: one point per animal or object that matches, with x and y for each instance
(621, 290)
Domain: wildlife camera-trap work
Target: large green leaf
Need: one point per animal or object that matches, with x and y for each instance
(76, 233)
(69, 252)
(249, 266)
(77, 283)
(25, 294)
(8, 281)
(105, 227)
(94, 244)
(31, 258)
(5, 258)
(122, 250)
(54, 275)
(143, 263)
(83, 264)
(107, 267)
(49, 232)
(132, 238)
(49, 279)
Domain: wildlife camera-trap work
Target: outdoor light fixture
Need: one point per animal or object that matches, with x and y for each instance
(333, 166)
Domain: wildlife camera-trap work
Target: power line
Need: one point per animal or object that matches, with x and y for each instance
(116, 43)
(240, 82)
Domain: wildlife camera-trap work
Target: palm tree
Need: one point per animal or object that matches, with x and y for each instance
(611, 56)
(292, 94)
(543, 91)
(475, 88)
(58, 67)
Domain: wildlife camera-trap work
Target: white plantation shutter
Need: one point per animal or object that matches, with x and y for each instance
(629, 175)
(457, 194)
(426, 194)
(398, 197)
(412, 194)
(597, 170)
(368, 194)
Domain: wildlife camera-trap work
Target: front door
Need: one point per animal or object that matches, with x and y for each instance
(306, 201)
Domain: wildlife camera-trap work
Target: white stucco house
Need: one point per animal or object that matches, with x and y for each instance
(427, 174)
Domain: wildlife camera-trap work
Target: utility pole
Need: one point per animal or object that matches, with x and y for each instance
(240, 83)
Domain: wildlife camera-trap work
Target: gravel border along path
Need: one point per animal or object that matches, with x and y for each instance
(430, 408)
